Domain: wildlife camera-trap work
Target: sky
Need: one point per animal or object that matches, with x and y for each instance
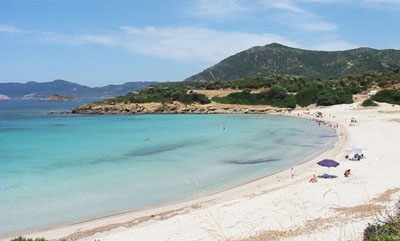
(101, 42)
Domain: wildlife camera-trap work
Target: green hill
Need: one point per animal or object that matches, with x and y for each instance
(276, 59)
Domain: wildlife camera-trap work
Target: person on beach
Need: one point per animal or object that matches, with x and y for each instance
(292, 172)
(314, 179)
(347, 173)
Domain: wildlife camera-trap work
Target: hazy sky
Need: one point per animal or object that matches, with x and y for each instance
(100, 42)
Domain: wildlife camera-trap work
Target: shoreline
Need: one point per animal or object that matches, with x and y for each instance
(275, 203)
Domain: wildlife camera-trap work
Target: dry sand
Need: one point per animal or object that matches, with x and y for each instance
(279, 207)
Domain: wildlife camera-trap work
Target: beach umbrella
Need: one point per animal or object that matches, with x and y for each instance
(358, 149)
(328, 163)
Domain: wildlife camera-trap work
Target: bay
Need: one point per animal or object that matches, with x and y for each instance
(57, 169)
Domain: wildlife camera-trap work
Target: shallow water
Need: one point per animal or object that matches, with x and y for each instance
(57, 169)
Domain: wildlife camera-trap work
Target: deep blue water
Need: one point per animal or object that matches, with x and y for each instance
(57, 169)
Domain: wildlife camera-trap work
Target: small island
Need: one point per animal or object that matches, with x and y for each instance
(57, 97)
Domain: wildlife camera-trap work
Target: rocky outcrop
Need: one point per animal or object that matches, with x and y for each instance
(172, 108)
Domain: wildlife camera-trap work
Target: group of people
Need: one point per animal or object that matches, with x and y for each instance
(356, 157)
(314, 178)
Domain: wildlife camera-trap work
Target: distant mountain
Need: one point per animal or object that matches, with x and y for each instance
(276, 59)
(61, 87)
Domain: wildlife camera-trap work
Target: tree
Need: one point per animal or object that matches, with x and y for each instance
(277, 92)
(354, 87)
(307, 96)
(326, 97)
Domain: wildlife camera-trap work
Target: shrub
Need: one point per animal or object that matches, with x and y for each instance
(389, 96)
(27, 239)
(354, 87)
(307, 96)
(326, 97)
(396, 94)
(276, 96)
(385, 238)
(333, 97)
(387, 229)
(368, 102)
(277, 92)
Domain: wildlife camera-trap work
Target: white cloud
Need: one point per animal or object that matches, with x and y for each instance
(329, 1)
(192, 44)
(98, 39)
(54, 37)
(381, 1)
(217, 9)
(188, 44)
(305, 20)
(285, 5)
(9, 29)
(390, 5)
(334, 45)
(318, 26)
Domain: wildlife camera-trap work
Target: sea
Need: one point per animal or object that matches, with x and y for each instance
(60, 168)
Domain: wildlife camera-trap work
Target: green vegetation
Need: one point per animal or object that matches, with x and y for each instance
(284, 91)
(307, 96)
(329, 96)
(387, 229)
(309, 91)
(161, 94)
(29, 239)
(391, 96)
(275, 96)
(368, 102)
(276, 59)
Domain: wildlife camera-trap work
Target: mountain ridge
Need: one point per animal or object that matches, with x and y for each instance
(32, 89)
(278, 59)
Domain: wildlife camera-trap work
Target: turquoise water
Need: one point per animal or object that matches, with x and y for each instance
(57, 169)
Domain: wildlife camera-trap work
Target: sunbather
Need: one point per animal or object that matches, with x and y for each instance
(314, 179)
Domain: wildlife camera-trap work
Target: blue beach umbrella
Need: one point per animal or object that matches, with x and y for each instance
(358, 149)
(328, 163)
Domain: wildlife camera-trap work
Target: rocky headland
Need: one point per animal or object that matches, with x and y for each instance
(172, 108)
(177, 107)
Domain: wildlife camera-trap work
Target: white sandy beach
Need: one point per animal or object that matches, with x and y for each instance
(280, 207)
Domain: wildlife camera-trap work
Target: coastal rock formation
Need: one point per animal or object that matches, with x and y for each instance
(172, 108)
